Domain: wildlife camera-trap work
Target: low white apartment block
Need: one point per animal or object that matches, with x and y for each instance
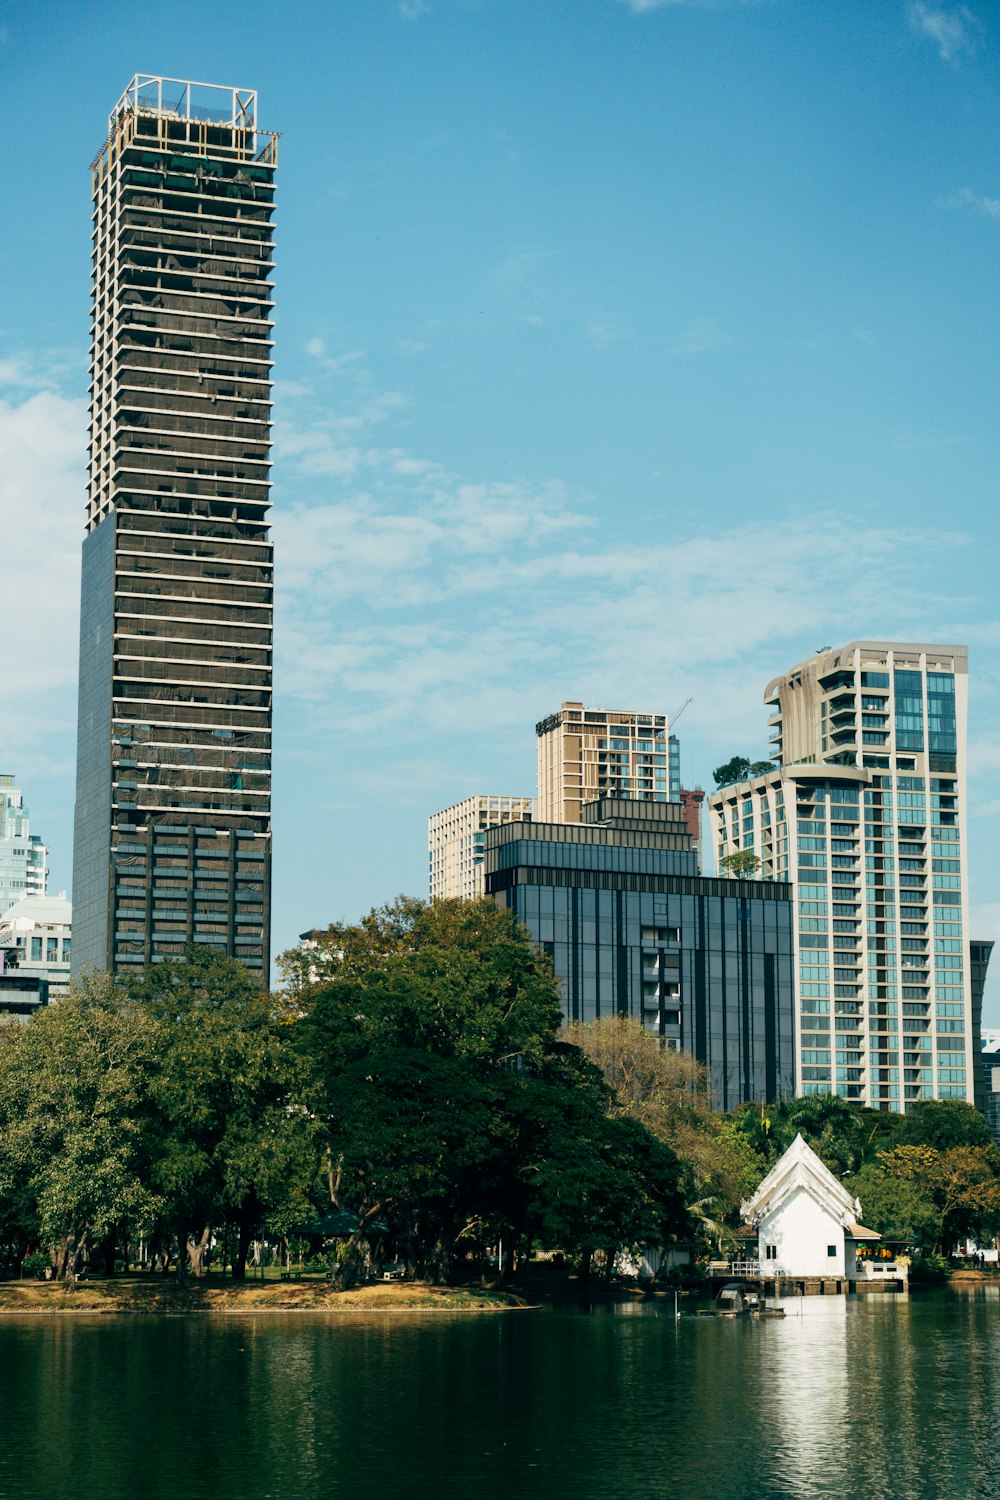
(40, 928)
(866, 815)
(456, 841)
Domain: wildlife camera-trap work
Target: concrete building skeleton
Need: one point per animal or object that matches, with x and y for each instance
(173, 821)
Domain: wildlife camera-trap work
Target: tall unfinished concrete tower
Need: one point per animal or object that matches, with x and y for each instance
(173, 806)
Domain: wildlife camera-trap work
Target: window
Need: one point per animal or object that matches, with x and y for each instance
(909, 715)
(36, 949)
(770, 1252)
(831, 1250)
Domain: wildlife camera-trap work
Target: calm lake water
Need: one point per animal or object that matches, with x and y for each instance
(885, 1397)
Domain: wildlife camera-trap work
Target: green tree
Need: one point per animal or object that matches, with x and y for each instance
(963, 1181)
(229, 1144)
(968, 1191)
(741, 865)
(75, 1115)
(740, 768)
(900, 1209)
(944, 1123)
(436, 1067)
(843, 1134)
(667, 1091)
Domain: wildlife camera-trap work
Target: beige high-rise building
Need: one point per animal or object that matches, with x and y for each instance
(456, 839)
(584, 754)
(865, 813)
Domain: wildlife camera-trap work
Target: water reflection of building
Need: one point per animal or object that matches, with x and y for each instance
(805, 1377)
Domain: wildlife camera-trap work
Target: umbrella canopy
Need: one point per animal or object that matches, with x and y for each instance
(339, 1225)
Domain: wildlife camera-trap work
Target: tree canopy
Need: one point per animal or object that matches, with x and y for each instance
(453, 1108)
(415, 1072)
(740, 768)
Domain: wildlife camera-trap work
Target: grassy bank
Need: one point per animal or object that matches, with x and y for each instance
(159, 1294)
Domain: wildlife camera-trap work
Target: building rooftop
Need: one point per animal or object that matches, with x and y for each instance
(31, 911)
(183, 99)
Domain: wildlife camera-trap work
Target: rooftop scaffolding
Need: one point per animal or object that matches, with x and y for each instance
(184, 100)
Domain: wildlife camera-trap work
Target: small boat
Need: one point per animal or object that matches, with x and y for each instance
(737, 1300)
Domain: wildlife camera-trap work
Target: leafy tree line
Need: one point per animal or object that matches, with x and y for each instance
(930, 1177)
(414, 1072)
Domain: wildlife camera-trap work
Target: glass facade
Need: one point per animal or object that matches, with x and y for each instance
(706, 964)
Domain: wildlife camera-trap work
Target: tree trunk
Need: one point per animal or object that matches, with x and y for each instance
(440, 1263)
(196, 1252)
(247, 1224)
(181, 1241)
(65, 1263)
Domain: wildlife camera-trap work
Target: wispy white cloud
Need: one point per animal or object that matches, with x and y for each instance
(952, 29)
(989, 208)
(412, 10)
(42, 489)
(520, 267)
(606, 331)
(640, 7)
(703, 336)
(31, 371)
(919, 442)
(430, 602)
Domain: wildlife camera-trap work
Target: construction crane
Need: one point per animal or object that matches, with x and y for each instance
(672, 718)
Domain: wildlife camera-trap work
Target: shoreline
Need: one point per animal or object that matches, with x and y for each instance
(166, 1298)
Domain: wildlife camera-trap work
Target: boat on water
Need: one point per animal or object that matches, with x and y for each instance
(737, 1300)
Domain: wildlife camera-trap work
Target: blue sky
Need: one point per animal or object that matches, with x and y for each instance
(626, 351)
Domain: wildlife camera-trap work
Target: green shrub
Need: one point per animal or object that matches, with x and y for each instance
(928, 1270)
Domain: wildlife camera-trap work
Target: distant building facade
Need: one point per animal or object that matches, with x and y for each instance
(692, 800)
(39, 929)
(172, 840)
(980, 952)
(456, 839)
(865, 813)
(21, 995)
(633, 930)
(584, 754)
(24, 867)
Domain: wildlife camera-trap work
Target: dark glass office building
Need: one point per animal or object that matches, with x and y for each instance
(634, 930)
(986, 1101)
(173, 811)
